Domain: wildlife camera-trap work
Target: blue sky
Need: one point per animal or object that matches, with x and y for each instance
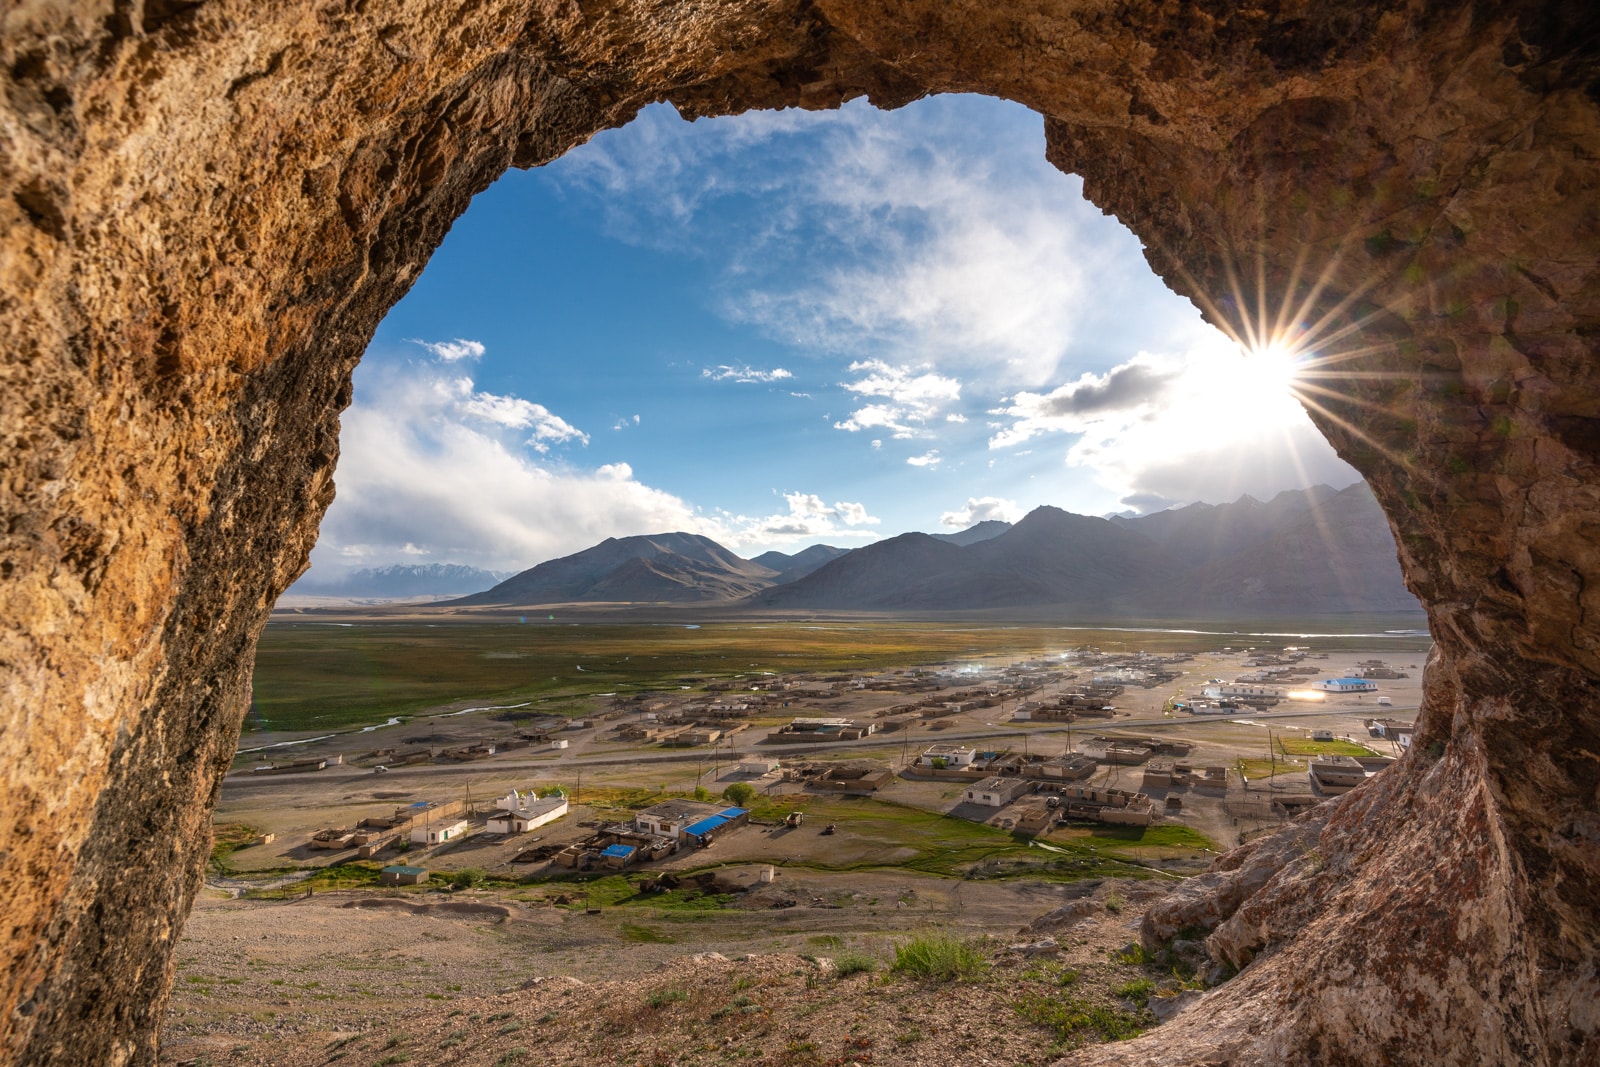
(785, 328)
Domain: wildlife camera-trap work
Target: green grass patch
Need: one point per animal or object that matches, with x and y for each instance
(1138, 990)
(940, 958)
(1303, 746)
(357, 874)
(1258, 768)
(226, 839)
(644, 935)
(1076, 1021)
(663, 997)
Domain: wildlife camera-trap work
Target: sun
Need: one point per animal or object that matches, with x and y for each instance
(1274, 366)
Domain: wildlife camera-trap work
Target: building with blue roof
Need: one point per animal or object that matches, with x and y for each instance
(617, 855)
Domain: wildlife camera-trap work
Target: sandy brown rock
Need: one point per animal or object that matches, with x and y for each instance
(208, 206)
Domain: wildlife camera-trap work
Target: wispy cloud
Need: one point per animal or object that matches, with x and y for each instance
(927, 459)
(745, 374)
(453, 351)
(934, 235)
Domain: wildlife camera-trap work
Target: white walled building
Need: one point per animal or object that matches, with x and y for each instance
(1238, 691)
(439, 832)
(521, 812)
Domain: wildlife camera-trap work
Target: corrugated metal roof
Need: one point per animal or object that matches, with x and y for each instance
(705, 826)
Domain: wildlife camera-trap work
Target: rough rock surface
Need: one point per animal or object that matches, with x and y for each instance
(207, 205)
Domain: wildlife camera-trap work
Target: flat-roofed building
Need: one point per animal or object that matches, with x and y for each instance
(1346, 685)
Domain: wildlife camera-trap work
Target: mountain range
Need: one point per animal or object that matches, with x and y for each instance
(1314, 551)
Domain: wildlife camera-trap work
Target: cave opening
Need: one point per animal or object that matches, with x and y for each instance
(209, 207)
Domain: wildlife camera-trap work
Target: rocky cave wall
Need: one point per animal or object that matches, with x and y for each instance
(208, 205)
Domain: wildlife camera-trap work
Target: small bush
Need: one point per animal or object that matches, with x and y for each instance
(739, 794)
(467, 877)
(1138, 990)
(662, 997)
(847, 963)
(1114, 903)
(939, 958)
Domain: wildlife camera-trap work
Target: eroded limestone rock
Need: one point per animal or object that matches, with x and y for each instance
(206, 207)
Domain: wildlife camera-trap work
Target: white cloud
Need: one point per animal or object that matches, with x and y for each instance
(429, 461)
(453, 351)
(875, 416)
(432, 468)
(914, 396)
(807, 518)
(512, 412)
(927, 459)
(877, 443)
(955, 416)
(745, 374)
(982, 509)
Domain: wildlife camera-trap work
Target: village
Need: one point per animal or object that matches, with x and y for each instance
(1225, 744)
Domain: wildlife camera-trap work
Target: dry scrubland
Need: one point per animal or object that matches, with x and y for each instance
(535, 964)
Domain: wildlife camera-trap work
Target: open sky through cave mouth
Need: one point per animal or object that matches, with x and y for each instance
(787, 328)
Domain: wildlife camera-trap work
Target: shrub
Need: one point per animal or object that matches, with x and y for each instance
(847, 963)
(467, 877)
(939, 958)
(739, 794)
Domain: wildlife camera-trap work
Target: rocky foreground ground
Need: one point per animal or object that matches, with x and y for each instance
(1072, 977)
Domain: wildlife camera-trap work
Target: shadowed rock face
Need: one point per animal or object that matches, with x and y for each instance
(206, 207)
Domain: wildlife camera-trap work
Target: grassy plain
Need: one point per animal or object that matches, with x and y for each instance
(314, 674)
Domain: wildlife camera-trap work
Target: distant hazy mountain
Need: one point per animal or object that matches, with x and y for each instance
(792, 567)
(1316, 551)
(1336, 556)
(973, 534)
(672, 568)
(1051, 557)
(403, 580)
(1204, 533)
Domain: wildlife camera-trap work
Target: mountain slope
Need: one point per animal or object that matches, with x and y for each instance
(675, 567)
(792, 568)
(1337, 556)
(1051, 557)
(973, 534)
